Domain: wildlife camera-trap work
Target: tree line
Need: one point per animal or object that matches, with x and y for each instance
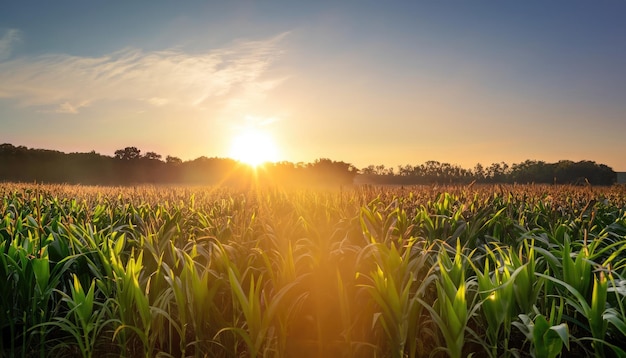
(129, 166)
(529, 171)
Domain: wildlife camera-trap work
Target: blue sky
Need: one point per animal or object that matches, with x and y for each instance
(366, 82)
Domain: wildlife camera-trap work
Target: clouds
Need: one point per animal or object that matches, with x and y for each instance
(64, 83)
(7, 41)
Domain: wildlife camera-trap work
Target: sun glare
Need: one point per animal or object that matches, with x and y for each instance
(254, 148)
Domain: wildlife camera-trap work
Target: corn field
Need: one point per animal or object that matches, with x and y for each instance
(487, 271)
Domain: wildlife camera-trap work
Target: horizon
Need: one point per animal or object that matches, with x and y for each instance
(261, 164)
(361, 82)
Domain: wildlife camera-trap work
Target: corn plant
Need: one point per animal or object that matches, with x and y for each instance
(544, 334)
(28, 299)
(453, 308)
(497, 301)
(400, 278)
(134, 313)
(85, 319)
(616, 315)
(594, 311)
(254, 320)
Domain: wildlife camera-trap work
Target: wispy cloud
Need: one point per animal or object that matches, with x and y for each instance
(7, 40)
(67, 107)
(65, 83)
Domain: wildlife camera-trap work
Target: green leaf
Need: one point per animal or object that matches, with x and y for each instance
(563, 332)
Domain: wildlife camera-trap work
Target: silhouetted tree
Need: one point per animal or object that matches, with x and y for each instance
(152, 156)
(328, 171)
(566, 171)
(369, 170)
(479, 172)
(173, 160)
(497, 172)
(128, 153)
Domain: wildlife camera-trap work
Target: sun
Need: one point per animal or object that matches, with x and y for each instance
(254, 147)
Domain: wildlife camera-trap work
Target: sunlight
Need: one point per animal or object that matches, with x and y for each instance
(254, 147)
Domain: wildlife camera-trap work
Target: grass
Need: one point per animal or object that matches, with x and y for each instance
(488, 271)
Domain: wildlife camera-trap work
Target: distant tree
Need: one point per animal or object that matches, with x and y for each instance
(128, 153)
(173, 160)
(7, 148)
(567, 171)
(406, 170)
(152, 156)
(479, 172)
(382, 170)
(326, 170)
(497, 172)
(532, 171)
(370, 169)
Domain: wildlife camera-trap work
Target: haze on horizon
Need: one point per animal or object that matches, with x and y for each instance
(364, 82)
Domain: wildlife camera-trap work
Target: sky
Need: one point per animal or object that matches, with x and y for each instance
(365, 82)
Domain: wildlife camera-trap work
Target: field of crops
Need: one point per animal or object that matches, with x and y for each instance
(498, 271)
